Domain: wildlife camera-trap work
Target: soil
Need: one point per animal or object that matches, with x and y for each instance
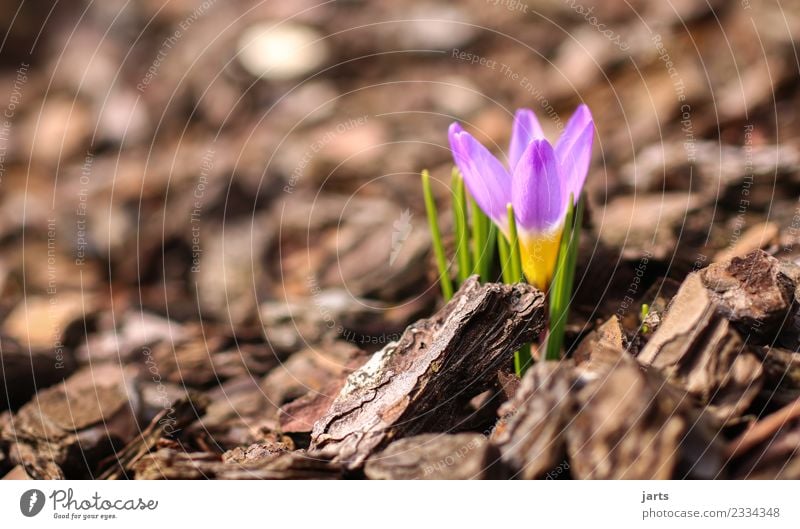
(217, 266)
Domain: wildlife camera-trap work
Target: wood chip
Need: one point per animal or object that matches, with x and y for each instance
(171, 463)
(752, 291)
(768, 449)
(420, 383)
(531, 434)
(632, 425)
(698, 349)
(68, 428)
(437, 456)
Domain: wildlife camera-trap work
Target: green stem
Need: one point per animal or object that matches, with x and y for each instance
(479, 229)
(502, 246)
(561, 289)
(572, 260)
(487, 255)
(462, 237)
(516, 262)
(438, 247)
(522, 360)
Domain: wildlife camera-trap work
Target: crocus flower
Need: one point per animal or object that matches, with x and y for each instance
(538, 183)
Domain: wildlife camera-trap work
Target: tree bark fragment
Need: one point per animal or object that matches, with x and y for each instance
(420, 383)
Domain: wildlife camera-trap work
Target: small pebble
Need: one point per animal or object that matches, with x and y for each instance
(281, 52)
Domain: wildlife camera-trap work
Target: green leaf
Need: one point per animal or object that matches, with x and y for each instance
(483, 242)
(516, 261)
(460, 217)
(436, 237)
(488, 253)
(561, 288)
(480, 226)
(522, 360)
(505, 262)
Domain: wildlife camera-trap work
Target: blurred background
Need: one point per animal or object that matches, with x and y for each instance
(223, 196)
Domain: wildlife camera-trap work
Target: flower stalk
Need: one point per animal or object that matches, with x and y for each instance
(436, 237)
(561, 290)
(460, 218)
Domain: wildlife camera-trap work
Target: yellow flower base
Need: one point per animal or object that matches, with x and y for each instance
(539, 253)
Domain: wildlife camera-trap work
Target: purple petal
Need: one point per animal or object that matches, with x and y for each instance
(579, 120)
(575, 163)
(526, 129)
(574, 149)
(538, 189)
(485, 177)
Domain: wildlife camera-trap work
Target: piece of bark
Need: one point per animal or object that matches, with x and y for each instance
(165, 425)
(201, 360)
(299, 415)
(5, 463)
(237, 414)
(781, 374)
(607, 335)
(531, 434)
(172, 463)
(65, 430)
(420, 383)
(311, 370)
(39, 322)
(601, 360)
(752, 291)
(622, 229)
(275, 444)
(631, 424)
(17, 473)
(698, 349)
(755, 238)
(128, 337)
(437, 456)
(768, 449)
(713, 165)
(509, 383)
(24, 370)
